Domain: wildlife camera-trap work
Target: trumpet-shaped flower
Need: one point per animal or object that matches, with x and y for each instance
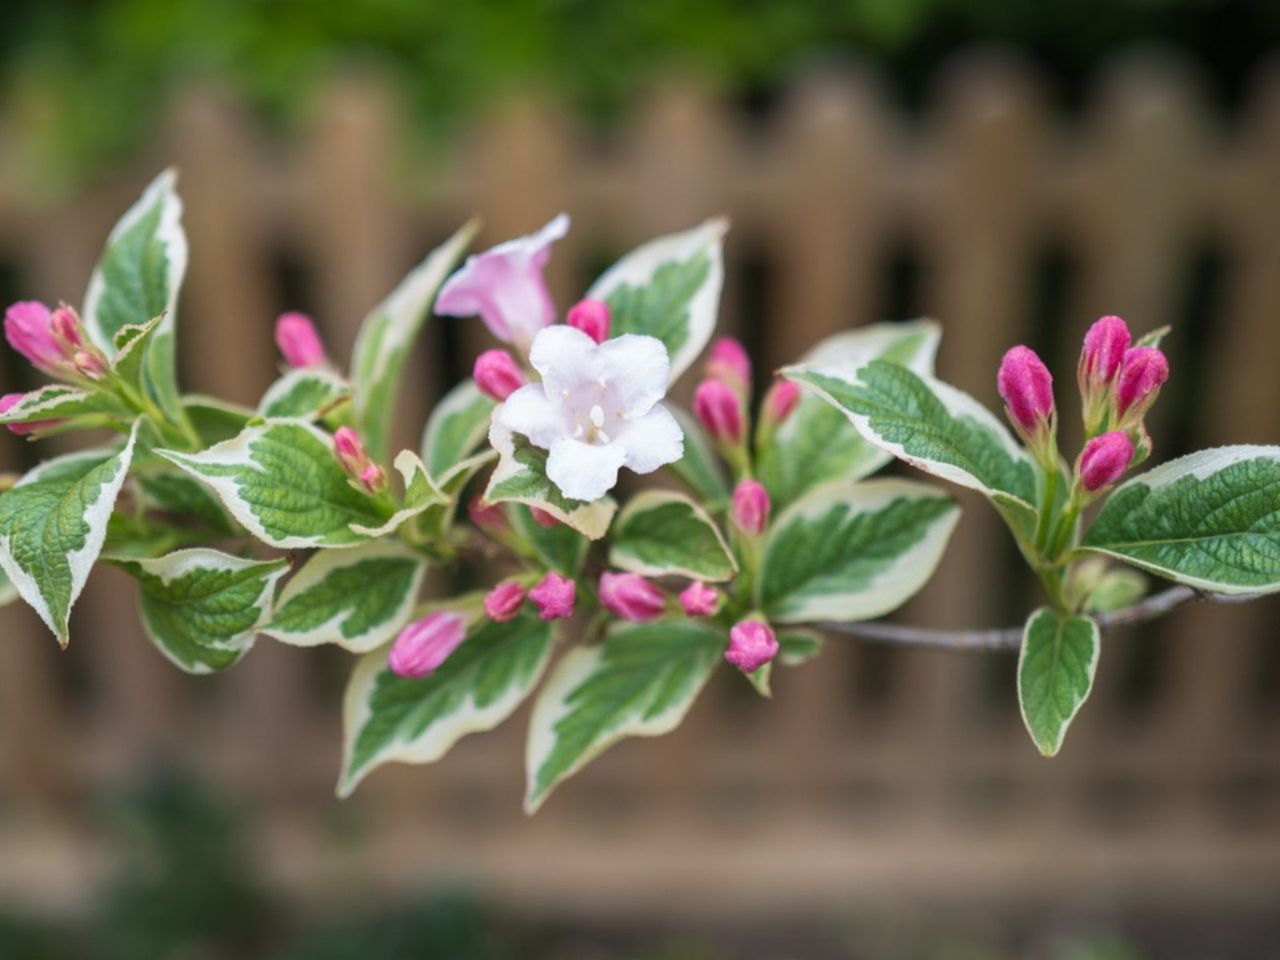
(505, 286)
(596, 410)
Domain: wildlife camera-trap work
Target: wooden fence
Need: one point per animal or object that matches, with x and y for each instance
(872, 770)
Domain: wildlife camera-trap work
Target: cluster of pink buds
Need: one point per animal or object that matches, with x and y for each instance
(425, 644)
(355, 460)
(299, 342)
(53, 341)
(1118, 382)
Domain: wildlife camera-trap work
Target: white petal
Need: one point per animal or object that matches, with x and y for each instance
(566, 359)
(651, 441)
(636, 368)
(528, 412)
(584, 471)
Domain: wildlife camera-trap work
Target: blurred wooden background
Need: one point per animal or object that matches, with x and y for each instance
(872, 770)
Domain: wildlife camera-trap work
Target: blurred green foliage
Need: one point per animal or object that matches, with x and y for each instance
(87, 78)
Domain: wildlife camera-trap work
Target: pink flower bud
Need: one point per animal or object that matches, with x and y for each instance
(631, 597)
(1104, 460)
(28, 328)
(554, 597)
(504, 601)
(373, 478)
(1026, 386)
(487, 516)
(719, 410)
(699, 600)
(11, 400)
(783, 397)
(543, 519)
(89, 364)
(497, 374)
(751, 645)
(1142, 373)
(299, 342)
(1104, 348)
(592, 317)
(751, 507)
(729, 363)
(350, 450)
(66, 328)
(425, 644)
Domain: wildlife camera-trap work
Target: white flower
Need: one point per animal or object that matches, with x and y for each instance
(597, 409)
(505, 286)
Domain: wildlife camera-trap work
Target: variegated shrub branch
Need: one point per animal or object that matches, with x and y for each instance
(298, 520)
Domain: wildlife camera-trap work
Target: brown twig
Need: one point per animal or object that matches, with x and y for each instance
(1010, 638)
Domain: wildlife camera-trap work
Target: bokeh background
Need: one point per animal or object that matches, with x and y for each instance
(1014, 169)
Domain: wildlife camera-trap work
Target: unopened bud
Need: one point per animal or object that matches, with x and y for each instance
(631, 597)
(424, 645)
(497, 374)
(28, 326)
(751, 507)
(592, 317)
(1026, 387)
(729, 363)
(299, 341)
(89, 364)
(699, 600)
(351, 454)
(554, 597)
(1104, 460)
(719, 409)
(543, 519)
(373, 478)
(783, 397)
(1142, 374)
(1104, 348)
(751, 645)
(65, 325)
(504, 601)
(487, 516)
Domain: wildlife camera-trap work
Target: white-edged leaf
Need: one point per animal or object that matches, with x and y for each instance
(420, 493)
(202, 608)
(386, 337)
(669, 288)
(392, 719)
(1210, 520)
(8, 592)
(521, 477)
(558, 547)
(639, 682)
(306, 393)
(55, 401)
(358, 598)
(666, 534)
(281, 481)
(1056, 665)
(138, 279)
(853, 551)
(52, 526)
(458, 424)
(932, 426)
(817, 444)
(214, 419)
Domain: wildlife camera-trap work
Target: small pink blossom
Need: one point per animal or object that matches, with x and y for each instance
(729, 363)
(498, 375)
(781, 400)
(631, 597)
(592, 317)
(1104, 460)
(1142, 374)
(719, 409)
(554, 597)
(299, 341)
(11, 400)
(424, 645)
(699, 600)
(751, 645)
(504, 601)
(505, 286)
(1026, 387)
(751, 506)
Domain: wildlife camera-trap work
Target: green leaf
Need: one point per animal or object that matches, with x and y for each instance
(698, 468)
(521, 477)
(1117, 589)
(639, 682)
(853, 551)
(560, 548)
(281, 481)
(1153, 338)
(798, 646)
(132, 344)
(52, 526)
(457, 425)
(80, 408)
(817, 444)
(215, 420)
(1055, 673)
(358, 598)
(388, 718)
(420, 493)
(202, 608)
(137, 280)
(386, 337)
(932, 426)
(187, 498)
(1210, 520)
(307, 393)
(661, 534)
(669, 288)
